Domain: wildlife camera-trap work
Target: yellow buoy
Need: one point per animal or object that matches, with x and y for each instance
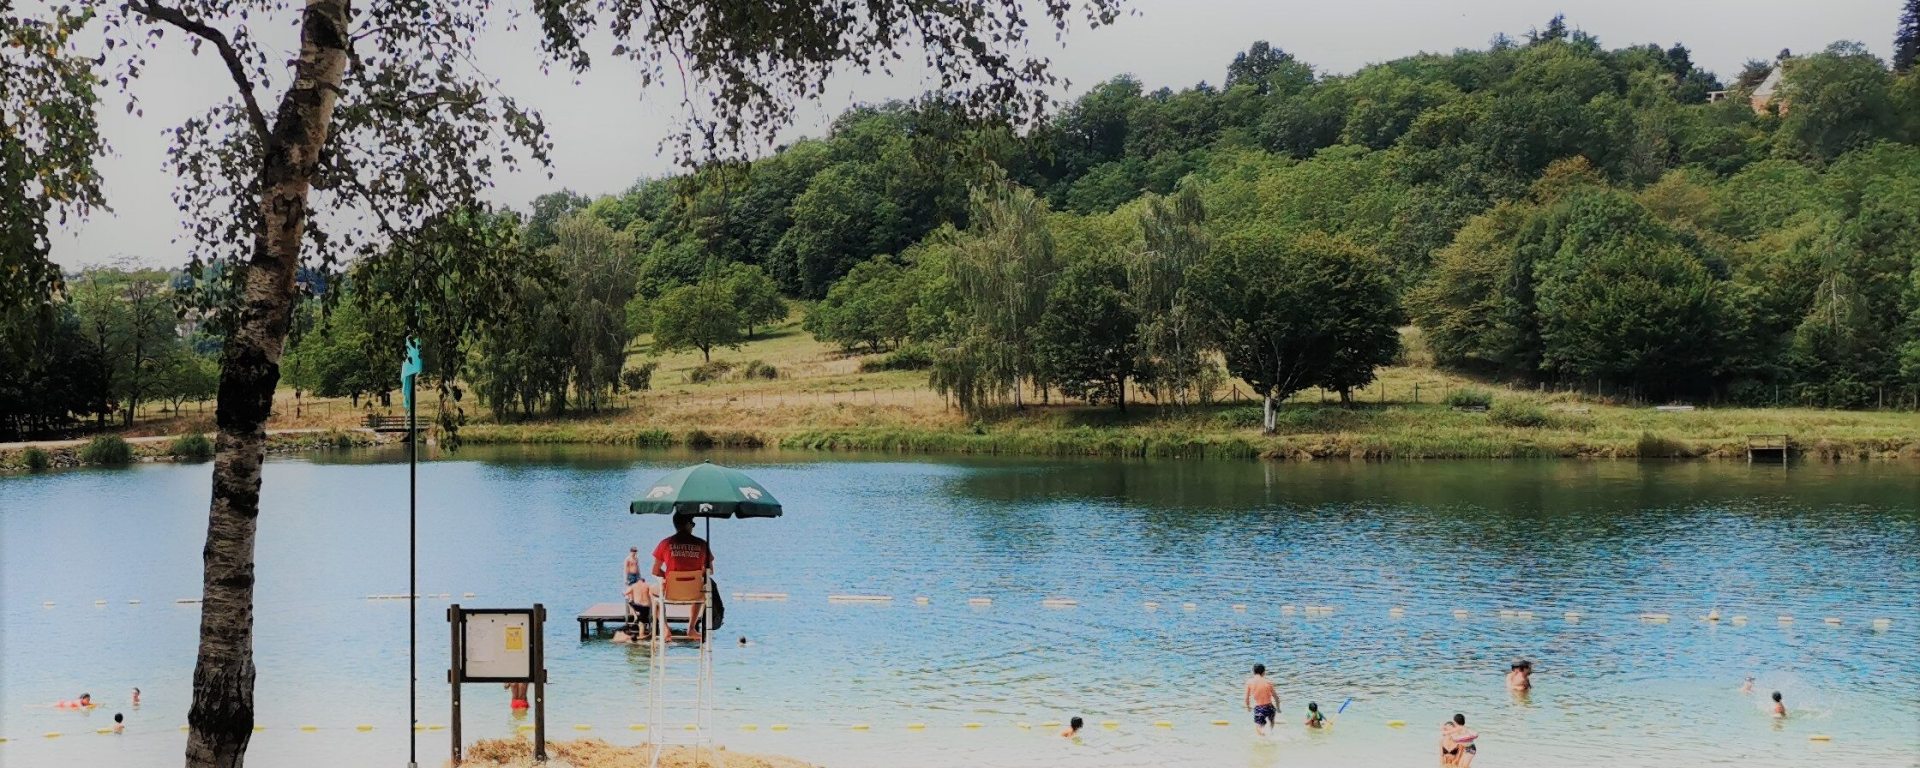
(1109, 724)
(970, 725)
(690, 727)
(1221, 722)
(1024, 726)
(52, 734)
(103, 730)
(259, 728)
(1162, 724)
(582, 727)
(1820, 737)
(523, 727)
(1050, 724)
(436, 727)
(637, 727)
(309, 728)
(862, 727)
(749, 727)
(1396, 723)
(916, 726)
(363, 727)
(183, 729)
(779, 726)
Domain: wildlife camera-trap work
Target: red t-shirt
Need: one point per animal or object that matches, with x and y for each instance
(683, 555)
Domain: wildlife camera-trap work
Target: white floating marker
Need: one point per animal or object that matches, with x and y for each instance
(1656, 618)
(466, 594)
(1240, 607)
(1150, 605)
(1059, 602)
(1396, 611)
(761, 595)
(186, 601)
(1834, 620)
(1460, 613)
(101, 603)
(1712, 616)
(133, 602)
(1189, 607)
(1571, 616)
(921, 600)
(1286, 610)
(1785, 618)
(979, 601)
(1882, 624)
(47, 604)
(859, 598)
(1739, 621)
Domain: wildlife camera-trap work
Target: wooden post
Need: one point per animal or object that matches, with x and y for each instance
(539, 672)
(454, 673)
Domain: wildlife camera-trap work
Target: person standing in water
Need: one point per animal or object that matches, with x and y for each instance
(1779, 707)
(1520, 676)
(1746, 688)
(119, 723)
(519, 693)
(1073, 728)
(1260, 700)
(633, 565)
(1449, 751)
(1314, 718)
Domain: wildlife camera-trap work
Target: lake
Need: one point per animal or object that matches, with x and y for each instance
(517, 525)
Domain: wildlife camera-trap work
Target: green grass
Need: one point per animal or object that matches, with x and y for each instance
(111, 450)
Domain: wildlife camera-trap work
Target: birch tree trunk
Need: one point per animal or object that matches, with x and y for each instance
(1266, 414)
(220, 719)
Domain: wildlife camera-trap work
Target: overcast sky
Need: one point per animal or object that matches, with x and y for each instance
(606, 131)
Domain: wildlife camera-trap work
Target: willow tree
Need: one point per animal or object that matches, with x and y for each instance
(378, 123)
(1002, 269)
(1172, 348)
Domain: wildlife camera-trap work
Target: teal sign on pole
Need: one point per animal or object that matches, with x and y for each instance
(409, 370)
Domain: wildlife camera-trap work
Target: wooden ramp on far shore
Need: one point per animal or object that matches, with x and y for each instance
(1767, 448)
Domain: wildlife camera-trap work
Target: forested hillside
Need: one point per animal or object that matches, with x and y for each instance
(1546, 210)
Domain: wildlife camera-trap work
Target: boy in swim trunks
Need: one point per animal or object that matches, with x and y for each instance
(1779, 707)
(1260, 700)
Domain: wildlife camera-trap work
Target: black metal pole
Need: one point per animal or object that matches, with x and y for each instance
(413, 584)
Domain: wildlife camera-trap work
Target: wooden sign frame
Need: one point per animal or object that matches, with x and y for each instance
(536, 668)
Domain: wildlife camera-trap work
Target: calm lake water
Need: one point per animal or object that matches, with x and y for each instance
(520, 525)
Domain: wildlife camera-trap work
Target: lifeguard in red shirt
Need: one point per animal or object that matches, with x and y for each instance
(683, 552)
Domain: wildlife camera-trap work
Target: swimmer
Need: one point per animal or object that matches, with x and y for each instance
(743, 641)
(1520, 676)
(84, 702)
(136, 697)
(1073, 728)
(1260, 700)
(119, 723)
(1779, 707)
(1314, 718)
(1463, 739)
(1449, 751)
(519, 692)
(633, 564)
(1746, 688)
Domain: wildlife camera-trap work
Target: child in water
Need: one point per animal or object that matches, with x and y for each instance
(1314, 718)
(119, 723)
(1779, 708)
(1073, 728)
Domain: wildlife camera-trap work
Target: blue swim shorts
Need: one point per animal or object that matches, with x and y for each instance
(1263, 714)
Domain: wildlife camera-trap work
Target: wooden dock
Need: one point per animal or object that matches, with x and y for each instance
(1767, 448)
(600, 615)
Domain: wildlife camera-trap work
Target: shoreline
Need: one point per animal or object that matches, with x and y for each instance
(1090, 442)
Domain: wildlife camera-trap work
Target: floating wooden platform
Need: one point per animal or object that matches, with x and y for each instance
(599, 615)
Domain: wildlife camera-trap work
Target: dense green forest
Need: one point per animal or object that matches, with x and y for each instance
(1543, 210)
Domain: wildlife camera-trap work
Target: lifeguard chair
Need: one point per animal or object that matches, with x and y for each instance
(680, 692)
(680, 672)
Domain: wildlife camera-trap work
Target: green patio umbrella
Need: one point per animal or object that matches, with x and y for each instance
(706, 490)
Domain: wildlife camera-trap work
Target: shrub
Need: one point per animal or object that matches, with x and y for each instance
(37, 460)
(1653, 446)
(107, 449)
(1470, 398)
(1240, 417)
(902, 359)
(639, 378)
(191, 448)
(705, 372)
(759, 370)
(1518, 413)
